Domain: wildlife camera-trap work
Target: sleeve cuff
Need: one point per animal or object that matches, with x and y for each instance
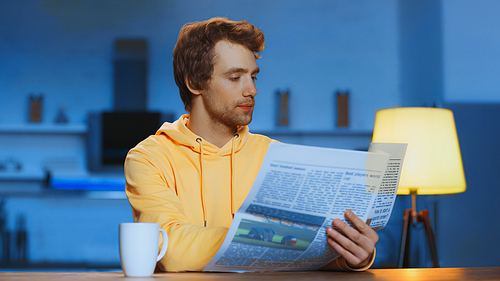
(342, 263)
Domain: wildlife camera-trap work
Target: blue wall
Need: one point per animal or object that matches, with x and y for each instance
(420, 45)
(65, 50)
(386, 53)
(471, 56)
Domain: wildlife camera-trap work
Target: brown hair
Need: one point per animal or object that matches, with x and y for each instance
(194, 50)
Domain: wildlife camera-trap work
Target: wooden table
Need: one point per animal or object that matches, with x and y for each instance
(420, 274)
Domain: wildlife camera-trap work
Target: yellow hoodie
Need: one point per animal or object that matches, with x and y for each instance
(191, 188)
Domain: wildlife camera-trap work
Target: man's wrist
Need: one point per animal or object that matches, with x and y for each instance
(364, 266)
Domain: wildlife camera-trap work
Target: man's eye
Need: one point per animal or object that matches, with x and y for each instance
(234, 79)
(254, 78)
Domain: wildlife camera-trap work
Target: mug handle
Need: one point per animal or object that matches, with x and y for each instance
(164, 245)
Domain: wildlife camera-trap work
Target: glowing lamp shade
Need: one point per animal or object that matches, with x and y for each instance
(433, 163)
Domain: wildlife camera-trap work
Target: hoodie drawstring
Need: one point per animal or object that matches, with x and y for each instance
(233, 170)
(203, 205)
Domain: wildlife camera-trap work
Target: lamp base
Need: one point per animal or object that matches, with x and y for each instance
(411, 216)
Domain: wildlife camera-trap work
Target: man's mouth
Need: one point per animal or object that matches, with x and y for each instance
(246, 107)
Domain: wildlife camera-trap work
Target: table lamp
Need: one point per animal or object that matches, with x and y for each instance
(432, 165)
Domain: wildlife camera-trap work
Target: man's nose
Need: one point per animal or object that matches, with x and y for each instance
(250, 88)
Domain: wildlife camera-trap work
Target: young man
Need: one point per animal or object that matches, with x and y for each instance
(194, 174)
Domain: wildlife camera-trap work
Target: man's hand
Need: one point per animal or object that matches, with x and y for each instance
(358, 244)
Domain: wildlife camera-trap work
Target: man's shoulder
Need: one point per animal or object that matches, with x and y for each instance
(261, 138)
(258, 143)
(151, 144)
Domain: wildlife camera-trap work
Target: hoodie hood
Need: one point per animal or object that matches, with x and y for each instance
(180, 134)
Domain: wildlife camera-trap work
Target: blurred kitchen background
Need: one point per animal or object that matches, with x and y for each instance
(81, 81)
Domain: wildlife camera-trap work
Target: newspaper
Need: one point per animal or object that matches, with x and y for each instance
(298, 192)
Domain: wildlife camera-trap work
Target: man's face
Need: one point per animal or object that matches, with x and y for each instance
(229, 95)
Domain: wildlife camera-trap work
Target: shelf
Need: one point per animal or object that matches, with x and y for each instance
(21, 176)
(88, 183)
(337, 132)
(43, 128)
(82, 129)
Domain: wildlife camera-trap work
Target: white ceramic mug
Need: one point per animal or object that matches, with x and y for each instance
(139, 247)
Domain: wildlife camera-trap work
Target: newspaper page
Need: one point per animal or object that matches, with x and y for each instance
(386, 195)
(298, 192)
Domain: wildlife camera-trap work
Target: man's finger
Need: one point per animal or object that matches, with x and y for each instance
(346, 242)
(355, 221)
(365, 241)
(352, 252)
(360, 225)
(348, 256)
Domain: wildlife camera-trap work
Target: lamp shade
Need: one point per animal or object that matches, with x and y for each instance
(433, 163)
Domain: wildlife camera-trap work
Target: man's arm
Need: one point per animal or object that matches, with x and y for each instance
(191, 246)
(357, 247)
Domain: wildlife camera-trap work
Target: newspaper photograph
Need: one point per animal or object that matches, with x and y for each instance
(298, 192)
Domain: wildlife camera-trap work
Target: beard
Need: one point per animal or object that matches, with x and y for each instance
(228, 115)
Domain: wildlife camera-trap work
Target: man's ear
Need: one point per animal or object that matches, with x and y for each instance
(190, 87)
